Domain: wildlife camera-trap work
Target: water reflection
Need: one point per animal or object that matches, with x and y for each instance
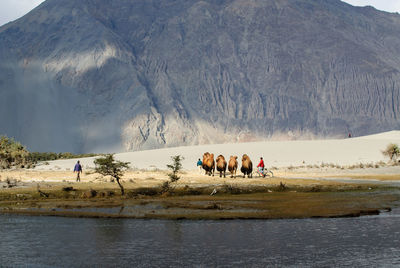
(104, 236)
(51, 241)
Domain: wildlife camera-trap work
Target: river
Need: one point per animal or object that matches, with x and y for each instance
(78, 242)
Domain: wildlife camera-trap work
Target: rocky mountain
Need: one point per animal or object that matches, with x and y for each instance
(100, 75)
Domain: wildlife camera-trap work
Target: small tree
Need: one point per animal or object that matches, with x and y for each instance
(175, 167)
(108, 166)
(392, 151)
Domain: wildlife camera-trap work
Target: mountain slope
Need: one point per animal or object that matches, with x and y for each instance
(95, 75)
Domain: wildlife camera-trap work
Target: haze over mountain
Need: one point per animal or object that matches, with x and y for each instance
(97, 75)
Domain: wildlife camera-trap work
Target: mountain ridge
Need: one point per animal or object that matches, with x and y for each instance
(88, 75)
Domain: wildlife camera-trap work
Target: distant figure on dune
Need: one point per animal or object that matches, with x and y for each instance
(78, 170)
(221, 165)
(233, 165)
(209, 163)
(247, 166)
(349, 135)
(199, 164)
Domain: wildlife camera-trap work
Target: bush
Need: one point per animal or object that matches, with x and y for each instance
(12, 153)
(50, 156)
(108, 166)
(392, 151)
(175, 168)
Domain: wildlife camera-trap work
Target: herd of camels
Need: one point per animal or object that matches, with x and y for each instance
(209, 165)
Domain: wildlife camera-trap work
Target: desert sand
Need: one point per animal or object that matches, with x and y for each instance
(296, 162)
(342, 152)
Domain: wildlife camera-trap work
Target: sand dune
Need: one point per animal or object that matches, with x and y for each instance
(349, 151)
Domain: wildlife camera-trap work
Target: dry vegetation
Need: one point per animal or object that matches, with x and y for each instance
(287, 195)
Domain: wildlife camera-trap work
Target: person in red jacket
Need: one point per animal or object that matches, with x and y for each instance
(261, 167)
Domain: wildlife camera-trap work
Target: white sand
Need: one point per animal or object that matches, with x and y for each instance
(349, 151)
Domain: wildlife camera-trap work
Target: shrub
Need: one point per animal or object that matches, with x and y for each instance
(50, 156)
(175, 168)
(108, 166)
(392, 151)
(381, 163)
(12, 153)
(369, 165)
(282, 187)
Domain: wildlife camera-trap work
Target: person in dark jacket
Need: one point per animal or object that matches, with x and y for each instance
(78, 170)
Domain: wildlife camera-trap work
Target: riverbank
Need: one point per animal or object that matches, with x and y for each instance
(292, 193)
(262, 205)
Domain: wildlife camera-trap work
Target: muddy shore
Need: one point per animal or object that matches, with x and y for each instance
(290, 194)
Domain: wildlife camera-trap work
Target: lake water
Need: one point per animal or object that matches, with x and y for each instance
(372, 241)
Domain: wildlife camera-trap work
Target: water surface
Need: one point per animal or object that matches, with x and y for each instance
(72, 242)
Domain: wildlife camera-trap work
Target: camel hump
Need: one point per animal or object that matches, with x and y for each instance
(246, 162)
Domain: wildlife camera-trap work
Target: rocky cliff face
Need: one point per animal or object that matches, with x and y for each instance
(97, 75)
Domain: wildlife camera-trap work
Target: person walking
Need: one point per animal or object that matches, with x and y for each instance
(199, 164)
(78, 170)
